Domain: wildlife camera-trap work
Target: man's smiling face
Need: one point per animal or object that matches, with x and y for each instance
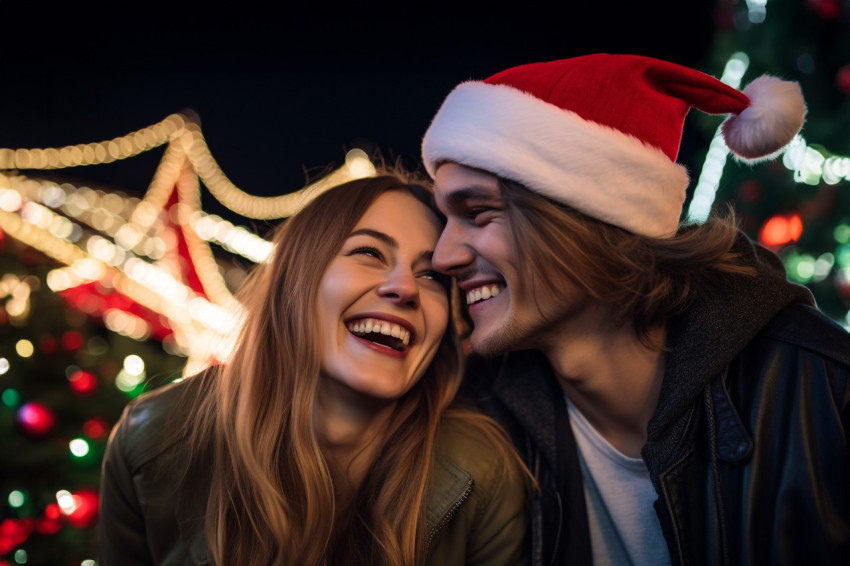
(477, 247)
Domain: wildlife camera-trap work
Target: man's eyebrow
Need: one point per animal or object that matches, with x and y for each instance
(386, 238)
(457, 198)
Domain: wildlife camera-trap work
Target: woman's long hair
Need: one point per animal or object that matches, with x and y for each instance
(272, 495)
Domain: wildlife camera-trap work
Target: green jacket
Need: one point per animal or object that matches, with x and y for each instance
(475, 511)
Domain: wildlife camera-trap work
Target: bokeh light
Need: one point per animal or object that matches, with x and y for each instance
(781, 230)
(24, 348)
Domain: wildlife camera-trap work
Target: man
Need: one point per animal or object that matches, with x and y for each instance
(676, 398)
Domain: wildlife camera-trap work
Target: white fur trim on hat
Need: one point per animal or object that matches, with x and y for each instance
(598, 170)
(775, 114)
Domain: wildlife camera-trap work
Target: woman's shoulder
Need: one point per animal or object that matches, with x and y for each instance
(478, 447)
(478, 495)
(148, 424)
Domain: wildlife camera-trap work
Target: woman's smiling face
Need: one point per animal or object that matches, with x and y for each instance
(382, 308)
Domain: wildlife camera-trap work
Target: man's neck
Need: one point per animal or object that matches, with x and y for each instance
(612, 378)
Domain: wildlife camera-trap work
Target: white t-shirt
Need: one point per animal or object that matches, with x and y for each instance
(624, 529)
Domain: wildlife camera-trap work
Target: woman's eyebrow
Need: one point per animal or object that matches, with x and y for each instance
(386, 238)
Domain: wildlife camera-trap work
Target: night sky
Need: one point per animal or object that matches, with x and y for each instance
(283, 93)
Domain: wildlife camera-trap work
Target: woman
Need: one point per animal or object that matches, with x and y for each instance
(332, 435)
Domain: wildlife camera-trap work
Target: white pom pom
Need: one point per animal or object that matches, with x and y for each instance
(775, 114)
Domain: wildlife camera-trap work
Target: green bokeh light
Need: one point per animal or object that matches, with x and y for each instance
(17, 498)
(11, 398)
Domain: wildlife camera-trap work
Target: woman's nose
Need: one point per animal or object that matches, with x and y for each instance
(400, 287)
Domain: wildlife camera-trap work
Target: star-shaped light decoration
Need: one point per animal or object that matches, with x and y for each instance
(145, 267)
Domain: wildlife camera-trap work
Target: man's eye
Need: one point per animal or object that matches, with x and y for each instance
(480, 214)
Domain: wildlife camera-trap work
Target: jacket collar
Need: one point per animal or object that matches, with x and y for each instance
(701, 342)
(527, 386)
(448, 490)
(717, 326)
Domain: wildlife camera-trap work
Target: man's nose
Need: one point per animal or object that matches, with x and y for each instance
(452, 251)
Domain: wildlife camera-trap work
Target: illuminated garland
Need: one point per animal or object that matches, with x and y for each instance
(809, 165)
(130, 245)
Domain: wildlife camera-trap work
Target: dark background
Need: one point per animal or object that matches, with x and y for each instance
(282, 92)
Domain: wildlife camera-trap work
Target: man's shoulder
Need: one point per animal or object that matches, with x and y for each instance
(800, 356)
(483, 373)
(480, 375)
(809, 328)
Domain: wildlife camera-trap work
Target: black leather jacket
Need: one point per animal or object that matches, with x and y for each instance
(748, 448)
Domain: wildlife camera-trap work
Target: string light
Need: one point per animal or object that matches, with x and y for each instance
(94, 153)
(810, 165)
(712, 170)
(126, 244)
(756, 11)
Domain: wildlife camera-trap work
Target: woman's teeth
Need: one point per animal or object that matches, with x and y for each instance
(366, 326)
(482, 293)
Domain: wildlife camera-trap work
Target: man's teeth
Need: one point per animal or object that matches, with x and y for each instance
(372, 325)
(482, 293)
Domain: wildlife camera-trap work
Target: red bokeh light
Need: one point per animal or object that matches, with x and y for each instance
(842, 79)
(13, 532)
(826, 9)
(72, 340)
(53, 511)
(96, 428)
(83, 383)
(781, 230)
(48, 525)
(47, 344)
(35, 419)
(85, 512)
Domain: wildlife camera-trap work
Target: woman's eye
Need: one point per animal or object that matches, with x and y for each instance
(367, 251)
(432, 275)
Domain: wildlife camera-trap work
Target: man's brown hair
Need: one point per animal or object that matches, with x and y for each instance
(644, 280)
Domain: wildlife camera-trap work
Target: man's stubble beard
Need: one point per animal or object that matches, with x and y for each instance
(508, 337)
(513, 335)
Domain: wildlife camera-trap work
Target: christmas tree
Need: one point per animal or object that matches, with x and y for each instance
(798, 205)
(103, 296)
(65, 379)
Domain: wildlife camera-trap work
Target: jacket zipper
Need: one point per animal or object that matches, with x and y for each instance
(449, 514)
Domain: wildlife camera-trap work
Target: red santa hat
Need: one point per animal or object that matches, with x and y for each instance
(601, 132)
